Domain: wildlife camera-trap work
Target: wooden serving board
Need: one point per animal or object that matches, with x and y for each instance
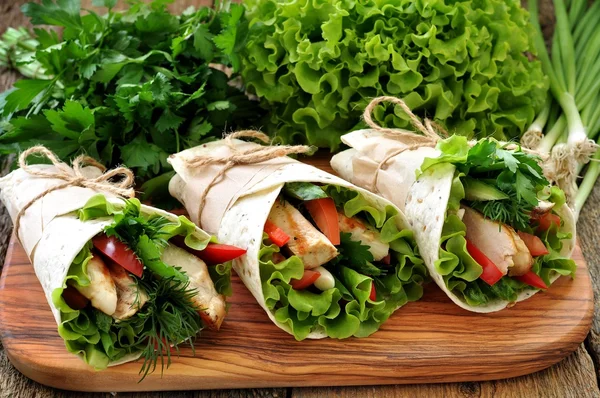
(429, 341)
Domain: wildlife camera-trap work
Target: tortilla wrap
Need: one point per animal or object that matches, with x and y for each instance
(50, 231)
(238, 205)
(423, 200)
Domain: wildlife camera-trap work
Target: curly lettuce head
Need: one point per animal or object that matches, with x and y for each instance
(317, 63)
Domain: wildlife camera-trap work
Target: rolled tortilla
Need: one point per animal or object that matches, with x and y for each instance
(237, 206)
(53, 235)
(424, 200)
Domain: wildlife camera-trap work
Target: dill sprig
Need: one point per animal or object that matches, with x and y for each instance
(170, 317)
(510, 212)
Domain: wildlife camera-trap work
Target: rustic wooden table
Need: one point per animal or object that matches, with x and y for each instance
(575, 376)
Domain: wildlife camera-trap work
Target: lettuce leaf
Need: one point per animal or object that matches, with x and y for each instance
(316, 65)
(346, 309)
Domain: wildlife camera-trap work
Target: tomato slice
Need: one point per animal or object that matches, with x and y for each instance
(387, 260)
(276, 234)
(74, 299)
(532, 279)
(373, 295)
(118, 252)
(307, 279)
(547, 220)
(324, 213)
(534, 244)
(491, 274)
(213, 253)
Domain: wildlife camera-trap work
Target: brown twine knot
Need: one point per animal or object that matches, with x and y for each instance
(248, 156)
(73, 176)
(432, 132)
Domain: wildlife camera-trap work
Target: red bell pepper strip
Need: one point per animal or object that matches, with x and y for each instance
(118, 252)
(387, 260)
(547, 220)
(373, 295)
(532, 279)
(213, 253)
(491, 274)
(276, 234)
(534, 244)
(307, 279)
(324, 213)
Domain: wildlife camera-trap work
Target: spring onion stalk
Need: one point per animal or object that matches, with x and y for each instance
(17, 48)
(572, 71)
(533, 136)
(552, 136)
(587, 185)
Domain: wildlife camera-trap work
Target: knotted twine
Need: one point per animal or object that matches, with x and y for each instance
(253, 155)
(432, 134)
(73, 176)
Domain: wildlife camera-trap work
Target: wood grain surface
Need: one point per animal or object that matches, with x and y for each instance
(431, 340)
(575, 376)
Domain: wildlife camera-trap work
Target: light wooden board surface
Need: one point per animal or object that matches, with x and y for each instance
(575, 376)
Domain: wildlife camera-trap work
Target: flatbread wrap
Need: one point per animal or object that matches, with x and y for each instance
(325, 258)
(491, 229)
(123, 280)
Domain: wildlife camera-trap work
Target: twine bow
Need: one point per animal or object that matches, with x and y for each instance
(253, 155)
(432, 132)
(73, 176)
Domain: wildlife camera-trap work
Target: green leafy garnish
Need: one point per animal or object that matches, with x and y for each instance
(168, 318)
(316, 65)
(304, 191)
(357, 256)
(514, 172)
(128, 87)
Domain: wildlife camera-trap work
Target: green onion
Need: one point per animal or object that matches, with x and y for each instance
(572, 71)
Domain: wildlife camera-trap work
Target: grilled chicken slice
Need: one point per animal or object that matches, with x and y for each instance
(360, 232)
(211, 305)
(101, 291)
(523, 259)
(306, 241)
(130, 296)
(499, 242)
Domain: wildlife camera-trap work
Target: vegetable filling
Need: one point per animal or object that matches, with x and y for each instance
(141, 286)
(502, 232)
(331, 261)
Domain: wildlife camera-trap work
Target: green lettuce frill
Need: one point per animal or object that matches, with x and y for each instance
(461, 272)
(95, 336)
(346, 309)
(316, 65)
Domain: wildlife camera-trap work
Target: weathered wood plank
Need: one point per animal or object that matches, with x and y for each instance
(573, 372)
(571, 378)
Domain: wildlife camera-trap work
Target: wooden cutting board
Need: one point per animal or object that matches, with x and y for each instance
(430, 341)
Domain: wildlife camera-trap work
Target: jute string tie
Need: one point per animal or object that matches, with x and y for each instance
(432, 132)
(253, 155)
(73, 176)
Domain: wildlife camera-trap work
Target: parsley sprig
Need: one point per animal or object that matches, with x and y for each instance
(516, 173)
(128, 87)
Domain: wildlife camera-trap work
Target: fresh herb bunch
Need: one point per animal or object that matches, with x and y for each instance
(129, 87)
(170, 316)
(516, 173)
(466, 64)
